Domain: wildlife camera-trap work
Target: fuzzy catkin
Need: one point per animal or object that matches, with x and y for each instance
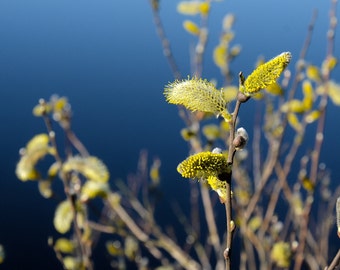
(203, 164)
(197, 95)
(266, 74)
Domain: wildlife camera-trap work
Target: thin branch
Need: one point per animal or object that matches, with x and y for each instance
(165, 42)
(318, 141)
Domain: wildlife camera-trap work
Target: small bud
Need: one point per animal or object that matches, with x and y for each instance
(232, 225)
(241, 139)
(217, 150)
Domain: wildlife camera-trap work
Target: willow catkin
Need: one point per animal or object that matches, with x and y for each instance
(197, 95)
(266, 74)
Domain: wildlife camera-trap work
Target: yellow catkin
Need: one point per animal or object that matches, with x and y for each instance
(37, 148)
(92, 189)
(274, 89)
(229, 93)
(307, 90)
(91, 167)
(204, 8)
(154, 171)
(312, 116)
(189, 7)
(211, 132)
(328, 64)
(64, 245)
(281, 254)
(313, 73)
(334, 92)
(220, 55)
(197, 95)
(218, 186)
(266, 74)
(63, 217)
(293, 106)
(191, 27)
(294, 121)
(203, 165)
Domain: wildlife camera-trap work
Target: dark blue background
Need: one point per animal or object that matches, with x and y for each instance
(106, 58)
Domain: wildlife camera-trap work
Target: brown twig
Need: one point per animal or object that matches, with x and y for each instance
(241, 98)
(165, 42)
(318, 140)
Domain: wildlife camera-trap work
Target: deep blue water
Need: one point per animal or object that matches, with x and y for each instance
(106, 58)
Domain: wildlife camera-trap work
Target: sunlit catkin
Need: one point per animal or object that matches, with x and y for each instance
(203, 165)
(197, 95)
(266, 74)
(91, 167)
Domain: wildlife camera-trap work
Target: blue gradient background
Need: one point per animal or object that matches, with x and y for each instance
(106, 58)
